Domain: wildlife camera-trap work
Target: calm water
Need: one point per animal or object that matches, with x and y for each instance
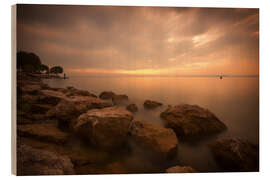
(235, 101)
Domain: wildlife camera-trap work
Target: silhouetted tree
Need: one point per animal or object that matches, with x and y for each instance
(28, 61)
(56, 70)
(44, 67)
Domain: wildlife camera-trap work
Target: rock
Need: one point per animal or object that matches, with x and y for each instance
(22, 120)
(116, 168)
(236, 154)
(180, 169)
(25, 117)
(43, 131)
(85, 103)
(51, 97)
(161, 143)
(106, 95)
(31, 89)
(64, 112)
(40, 108)
(29, 99)
(32, 161)
(120, 99)
(148, 104)
(76, 92)
(132, 108)
(191, 121)
(69, 109)
(105, 128)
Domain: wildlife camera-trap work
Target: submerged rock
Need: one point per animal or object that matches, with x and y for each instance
(159, 142)
(148, 104)
(180, 169)
(236, 154)
(132, 108)
(105, 128)
(120, 99)
(191, 121)
(31, 161)
(44, 132)
(106, 95)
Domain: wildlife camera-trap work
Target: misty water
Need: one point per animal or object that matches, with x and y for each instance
(234, 100)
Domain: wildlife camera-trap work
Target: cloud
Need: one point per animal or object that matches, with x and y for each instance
(93, 39)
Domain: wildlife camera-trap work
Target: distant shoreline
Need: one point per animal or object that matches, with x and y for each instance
(195, 76)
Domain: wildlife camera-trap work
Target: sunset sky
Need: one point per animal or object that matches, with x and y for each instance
(106, 40)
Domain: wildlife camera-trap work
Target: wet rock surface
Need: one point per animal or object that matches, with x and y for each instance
(191, 122)
(236, 154)
(44, 132)
(31, 161)
(148, 104)
(132, 108)
(106, 95)
(106, 128)
(159, 142)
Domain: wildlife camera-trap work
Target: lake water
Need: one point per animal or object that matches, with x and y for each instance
(234, 100)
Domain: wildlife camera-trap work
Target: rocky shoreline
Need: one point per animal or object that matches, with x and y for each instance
(72, 131)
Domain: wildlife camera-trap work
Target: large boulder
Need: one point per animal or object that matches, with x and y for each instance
(120, 99)
(180, 169)
(44, 132)
(31, 161)
(148, 104)
(70, 108)
(64, 112)
(106, 95)
(161, 143)
(236, 154)
(191, 121)
(132, 108)
(105, 128)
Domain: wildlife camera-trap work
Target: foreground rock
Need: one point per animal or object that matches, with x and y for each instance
(43, 131)
(180, 169)
(159, 142)
(105, 128)
(132, 108)
(33, 89)
(148, 104)
(120, 99)
(236, 155)
(69, 109)
(64, 112)
(191, 121)
(32, 161)
(106, 95)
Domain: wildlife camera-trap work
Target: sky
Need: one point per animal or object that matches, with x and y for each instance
(148, 41)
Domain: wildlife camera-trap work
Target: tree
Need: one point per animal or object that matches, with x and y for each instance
(28, 61)
(56, 70)
(44, 67)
